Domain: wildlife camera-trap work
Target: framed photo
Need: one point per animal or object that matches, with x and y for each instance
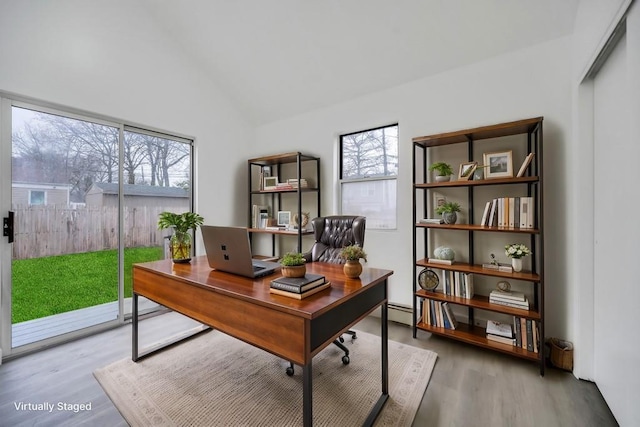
(438, 200)
(284, 218)
(466, 170)
(499, 164)
(270, 182)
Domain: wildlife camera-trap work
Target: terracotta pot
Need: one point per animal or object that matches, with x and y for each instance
(352, 269)
(294, 270)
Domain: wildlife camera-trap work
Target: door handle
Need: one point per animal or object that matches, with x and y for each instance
(7, 226)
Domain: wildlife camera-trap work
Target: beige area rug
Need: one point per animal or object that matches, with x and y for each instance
(216, 380)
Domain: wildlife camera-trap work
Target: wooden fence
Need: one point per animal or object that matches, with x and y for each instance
(54, 230)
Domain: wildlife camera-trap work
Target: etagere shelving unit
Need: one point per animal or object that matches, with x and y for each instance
(275, 198)
(474, 141)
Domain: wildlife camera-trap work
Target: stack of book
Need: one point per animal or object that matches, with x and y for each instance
(500, 332)
(439, 314)
(527, 334)
(299, 287)
(509, 299)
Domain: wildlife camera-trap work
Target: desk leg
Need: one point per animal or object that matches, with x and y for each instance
(307, 399)
(134, 327)
(384, 357)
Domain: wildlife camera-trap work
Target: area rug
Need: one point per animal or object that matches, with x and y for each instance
(216, 380)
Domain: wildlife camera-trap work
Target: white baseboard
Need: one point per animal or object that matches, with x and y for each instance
(398, 313)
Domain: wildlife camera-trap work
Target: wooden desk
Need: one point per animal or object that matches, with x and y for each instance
(295, 330)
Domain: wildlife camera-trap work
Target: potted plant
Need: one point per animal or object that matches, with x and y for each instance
(292, 265)
(448, 211)
(180, 242)
(516, 252)
(443, 171)
(352, 254)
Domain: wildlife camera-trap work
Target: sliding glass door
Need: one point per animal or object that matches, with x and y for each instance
(83, 203)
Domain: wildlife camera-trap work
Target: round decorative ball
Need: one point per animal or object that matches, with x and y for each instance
(443, 252)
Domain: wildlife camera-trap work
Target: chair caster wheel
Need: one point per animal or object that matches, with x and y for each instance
(341, 339)
(290, 371)
(345, 360)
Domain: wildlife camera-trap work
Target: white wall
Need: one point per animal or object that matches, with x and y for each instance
(528, 83)
(110, 58)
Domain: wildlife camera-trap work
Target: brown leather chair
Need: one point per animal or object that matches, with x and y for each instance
(332, 233)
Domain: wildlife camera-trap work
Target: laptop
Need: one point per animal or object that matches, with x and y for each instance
(228, 249)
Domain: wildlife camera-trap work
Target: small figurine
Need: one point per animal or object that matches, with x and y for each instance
(493, 260)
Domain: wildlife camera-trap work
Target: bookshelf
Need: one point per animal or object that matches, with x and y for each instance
(293, 168)
(475, 239)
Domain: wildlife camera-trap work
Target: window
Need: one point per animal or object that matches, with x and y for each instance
(36, 197)
(368, 175)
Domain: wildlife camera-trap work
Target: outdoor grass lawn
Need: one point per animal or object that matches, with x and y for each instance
(52, 285)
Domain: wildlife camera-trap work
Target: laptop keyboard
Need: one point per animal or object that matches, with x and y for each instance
(257, 268)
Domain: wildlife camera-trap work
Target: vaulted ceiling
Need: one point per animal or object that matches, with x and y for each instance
(280, 58)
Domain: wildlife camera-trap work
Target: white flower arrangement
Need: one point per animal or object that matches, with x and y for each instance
(515, 250)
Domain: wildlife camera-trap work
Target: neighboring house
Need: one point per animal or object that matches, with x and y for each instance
(106, 195)
(34, 194)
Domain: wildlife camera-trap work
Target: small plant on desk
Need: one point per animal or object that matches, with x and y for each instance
(293, 265)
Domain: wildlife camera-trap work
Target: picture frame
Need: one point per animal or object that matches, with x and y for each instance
(270, 183)
(500, 164)
(284, 218)
(438, 200)
(466, 170)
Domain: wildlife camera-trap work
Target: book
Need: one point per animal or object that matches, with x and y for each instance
(525, 164)
(529, 334)
(302, 295)
(440, 261)
(516, 326)
(523, 332)
(503, 340)
(513, 295)
(513, 304)
(485, 214)
(298, 284)
(453, 322)
(432, 221)
(497, 328)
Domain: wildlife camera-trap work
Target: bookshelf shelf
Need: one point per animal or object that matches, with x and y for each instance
(523, 136)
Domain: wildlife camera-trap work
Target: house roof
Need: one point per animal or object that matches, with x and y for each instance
(142, 190)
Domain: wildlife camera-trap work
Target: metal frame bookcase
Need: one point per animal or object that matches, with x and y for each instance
(532, 181)
(275, 197)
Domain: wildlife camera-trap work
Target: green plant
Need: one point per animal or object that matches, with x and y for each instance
(353, 253)
(442, 168)
(448, 207)
(180, 222)
(291, 259)
(516, 250)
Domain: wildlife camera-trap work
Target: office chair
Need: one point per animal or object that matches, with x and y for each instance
(332, 233)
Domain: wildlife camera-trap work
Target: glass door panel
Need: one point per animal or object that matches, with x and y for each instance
(65, 254)
(157, 176)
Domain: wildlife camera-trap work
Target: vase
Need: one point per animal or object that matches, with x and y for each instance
(516, 263)
(352, 269)
(449, 217)
(294, 270)
(442, 178)
(180, 244)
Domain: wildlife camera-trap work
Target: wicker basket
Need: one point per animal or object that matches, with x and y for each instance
(561, 354)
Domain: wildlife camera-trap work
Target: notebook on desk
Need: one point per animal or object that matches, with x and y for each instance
(228, 249)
